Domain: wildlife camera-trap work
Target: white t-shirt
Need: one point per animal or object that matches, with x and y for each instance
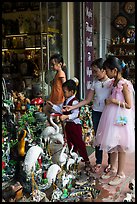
(102, 90)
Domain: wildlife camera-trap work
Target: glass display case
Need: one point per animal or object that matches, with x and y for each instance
(31, 33)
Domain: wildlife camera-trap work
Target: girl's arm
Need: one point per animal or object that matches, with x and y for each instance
(62, 76)
(63, 79)
(127, 98)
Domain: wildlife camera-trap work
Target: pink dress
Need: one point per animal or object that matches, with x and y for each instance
(113, 138)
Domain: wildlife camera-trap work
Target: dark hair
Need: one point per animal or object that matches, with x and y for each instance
(70, 84)
(112, 62)
(58, 58)
(125, 72)
(98, 62)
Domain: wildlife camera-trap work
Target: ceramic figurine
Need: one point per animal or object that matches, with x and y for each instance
(63, 156)
(132, 187)
(52, 132)
(52, 172)
(21, 142)
(56, 195)
(31, 157)
(128, 198)
(65, 194)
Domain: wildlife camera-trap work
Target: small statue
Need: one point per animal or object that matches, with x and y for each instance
(132, 187)
(21, 102)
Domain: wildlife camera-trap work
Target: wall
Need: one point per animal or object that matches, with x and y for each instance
(68, 37)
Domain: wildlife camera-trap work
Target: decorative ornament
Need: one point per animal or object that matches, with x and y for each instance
(129, 7)
(120, 22)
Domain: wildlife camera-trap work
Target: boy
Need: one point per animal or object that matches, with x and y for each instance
(73, 128)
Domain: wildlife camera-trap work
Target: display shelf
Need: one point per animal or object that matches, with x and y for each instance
(125, 52)
(125, 56)
(24, 41)
(22, 49)
(123, 44)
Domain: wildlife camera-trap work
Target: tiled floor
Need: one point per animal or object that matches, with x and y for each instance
(114, 193)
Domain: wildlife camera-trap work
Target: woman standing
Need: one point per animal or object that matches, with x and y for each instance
(115, 138)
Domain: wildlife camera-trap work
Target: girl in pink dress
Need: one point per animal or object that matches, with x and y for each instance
(113, 138)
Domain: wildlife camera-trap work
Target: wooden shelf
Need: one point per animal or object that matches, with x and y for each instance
(124, 56)
(124, 51)
(123, 45)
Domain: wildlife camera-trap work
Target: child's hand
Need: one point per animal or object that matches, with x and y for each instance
(49, 103)
(67, 108)
(108, 101)
(63, 117)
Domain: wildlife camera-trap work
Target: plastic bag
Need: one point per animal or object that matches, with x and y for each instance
(121, 118)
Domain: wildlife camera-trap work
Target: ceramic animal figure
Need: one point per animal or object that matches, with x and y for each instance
(57, 138)
(76, 157)
(56, 195)
(70, 162)
(132, 187)
(47, 132)
(52, 172)
(79, 159)
(21, 142)
(52, 133)
(63, 156)
(77, 163)
(66, 179)
(73, 154)
(128, 198)
(31, 157)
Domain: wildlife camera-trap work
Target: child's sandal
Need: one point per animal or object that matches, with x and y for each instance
(87, 166)
(108, 168)
(97, 168)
